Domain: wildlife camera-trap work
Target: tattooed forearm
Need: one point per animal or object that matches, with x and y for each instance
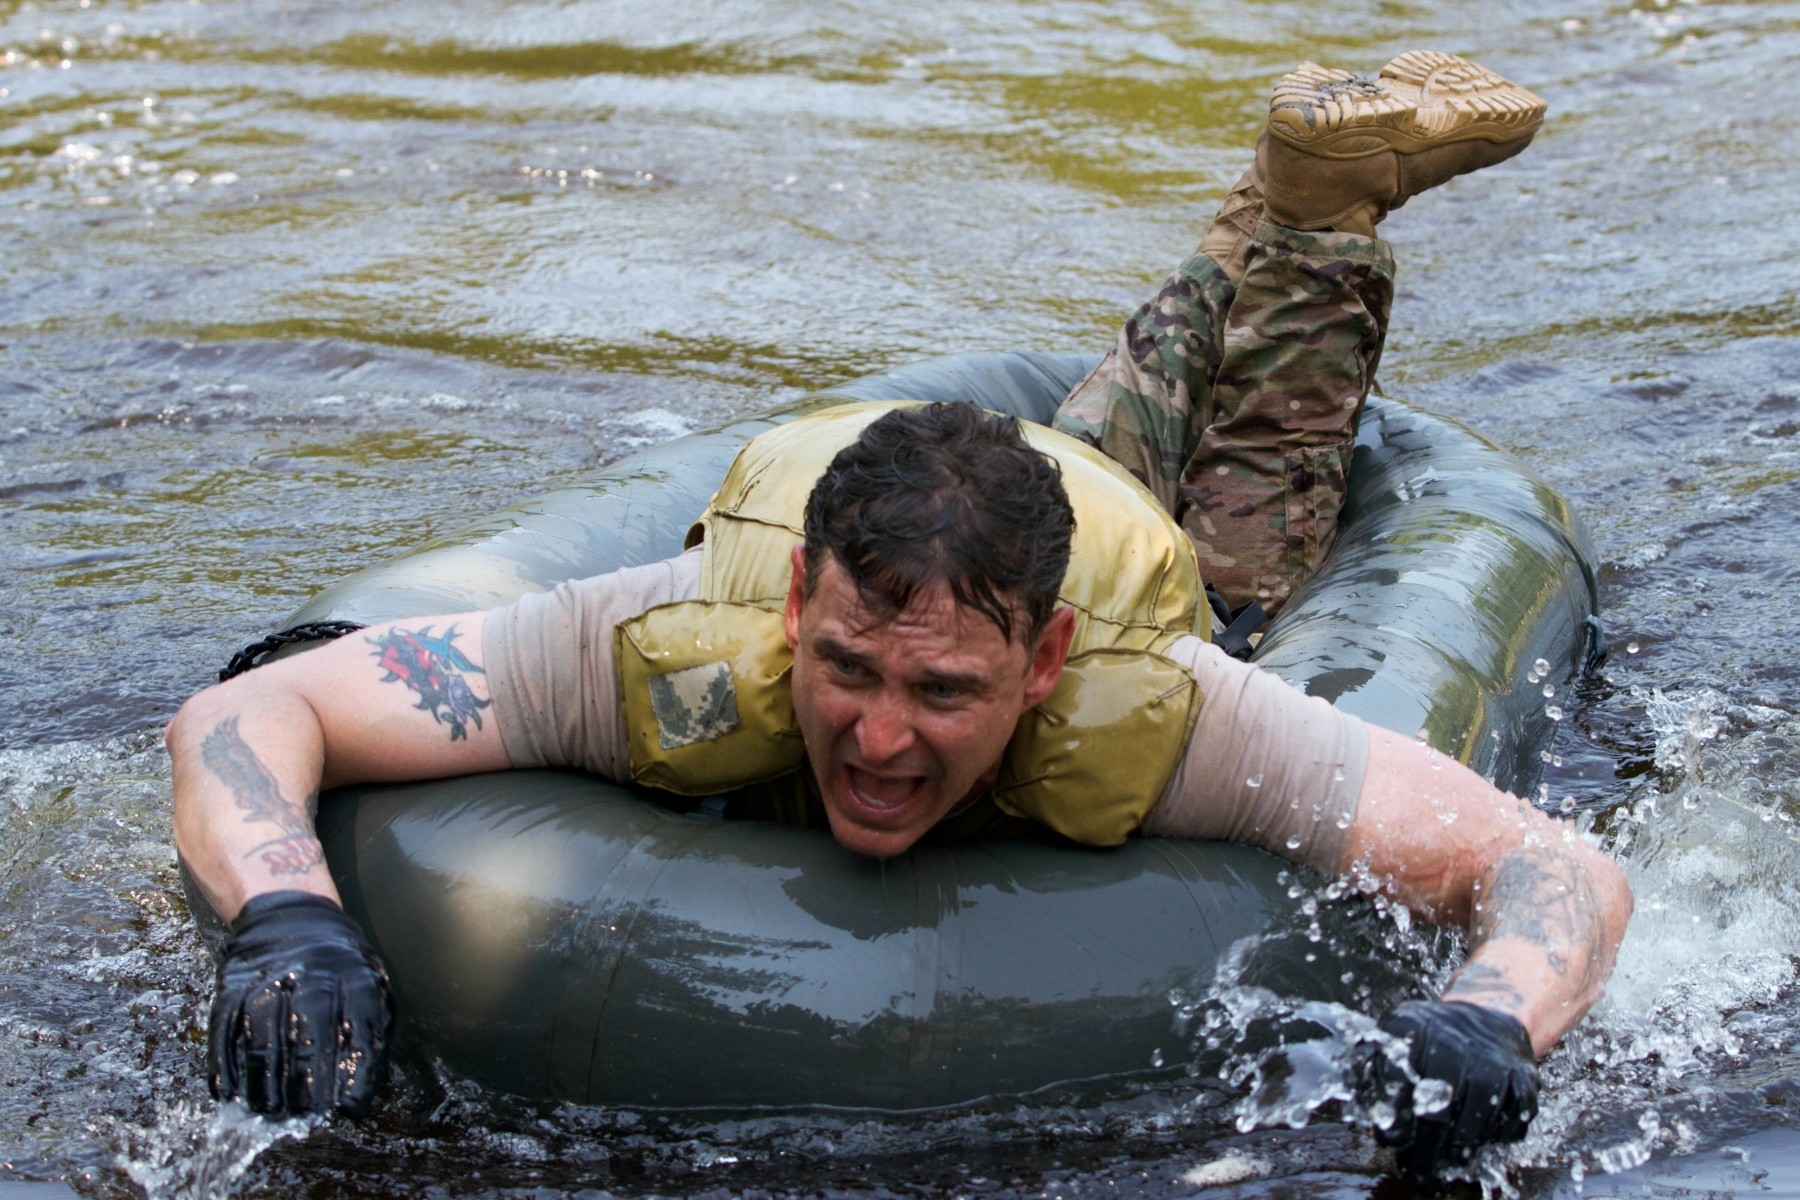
(1548, 900)
(433, 669)
(295, 850)
(252, 790)
(293, 855)
(1488, 985)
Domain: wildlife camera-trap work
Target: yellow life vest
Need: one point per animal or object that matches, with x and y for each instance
(706, 688)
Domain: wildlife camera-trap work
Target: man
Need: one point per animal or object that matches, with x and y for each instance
(908, 622)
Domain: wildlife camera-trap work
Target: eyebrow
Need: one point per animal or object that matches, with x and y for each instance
(973, 681)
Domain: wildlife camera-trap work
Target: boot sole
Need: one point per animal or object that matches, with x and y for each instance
(1422, 100)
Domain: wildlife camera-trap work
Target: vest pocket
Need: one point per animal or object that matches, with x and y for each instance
(707, 696)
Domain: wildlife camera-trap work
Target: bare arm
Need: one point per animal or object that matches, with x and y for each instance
(1544, 910)
(404, 700)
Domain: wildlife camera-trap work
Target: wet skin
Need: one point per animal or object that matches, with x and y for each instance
(906, 717)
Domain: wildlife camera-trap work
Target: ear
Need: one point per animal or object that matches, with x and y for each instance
(1048, 657)
(796, 600)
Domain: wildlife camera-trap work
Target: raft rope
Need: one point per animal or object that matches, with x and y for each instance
(257, 653)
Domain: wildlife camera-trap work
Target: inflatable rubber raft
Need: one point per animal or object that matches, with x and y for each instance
(561, 937)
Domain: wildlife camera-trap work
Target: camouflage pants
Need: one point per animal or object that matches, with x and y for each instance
(1237, 403)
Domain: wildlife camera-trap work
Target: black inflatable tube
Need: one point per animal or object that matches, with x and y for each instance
(554, 936)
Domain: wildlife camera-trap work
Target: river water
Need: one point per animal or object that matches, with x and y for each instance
(290, 287)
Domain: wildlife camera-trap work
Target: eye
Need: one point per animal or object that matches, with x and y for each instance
(846, 667)
(943, 692)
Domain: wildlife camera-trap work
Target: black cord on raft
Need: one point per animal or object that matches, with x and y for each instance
(1232, 627)
(257, 653)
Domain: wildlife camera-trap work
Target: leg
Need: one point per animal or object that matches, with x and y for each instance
(1260, 493)
(1233, 394)
(1234, 401)
(1148, 402)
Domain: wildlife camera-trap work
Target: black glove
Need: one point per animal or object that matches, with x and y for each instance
(303, 1012)
(1483, 1055)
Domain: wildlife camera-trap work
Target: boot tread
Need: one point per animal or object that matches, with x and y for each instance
(1421, 100)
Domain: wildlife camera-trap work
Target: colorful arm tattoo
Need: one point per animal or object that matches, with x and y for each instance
(296, 850)
(432, 668)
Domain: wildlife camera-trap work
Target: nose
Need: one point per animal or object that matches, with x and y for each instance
(885, 729)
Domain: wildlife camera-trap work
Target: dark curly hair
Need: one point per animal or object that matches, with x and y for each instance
(945, 492)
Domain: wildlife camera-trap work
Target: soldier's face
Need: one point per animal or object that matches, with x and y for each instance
(906, 718)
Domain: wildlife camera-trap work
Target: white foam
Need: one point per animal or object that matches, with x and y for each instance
(1234, 1167)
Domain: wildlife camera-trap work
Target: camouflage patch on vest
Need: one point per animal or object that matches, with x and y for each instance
(695, 704)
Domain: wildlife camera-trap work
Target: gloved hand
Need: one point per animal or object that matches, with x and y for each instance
(303, 1012)
(1482, 1054)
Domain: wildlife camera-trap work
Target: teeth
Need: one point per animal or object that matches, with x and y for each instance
(880, 793)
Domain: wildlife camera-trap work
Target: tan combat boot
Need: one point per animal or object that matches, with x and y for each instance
(1227, 241)
(1342, 149)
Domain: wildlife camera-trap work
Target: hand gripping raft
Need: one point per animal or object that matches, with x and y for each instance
(560, 937)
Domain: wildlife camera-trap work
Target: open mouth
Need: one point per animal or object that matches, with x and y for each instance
(881, 797)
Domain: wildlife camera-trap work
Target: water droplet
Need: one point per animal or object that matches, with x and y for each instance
(1541, 667)
(1568, 804)
(1423, 736)
(1343, 821)
(1553, 711)
(1549, 690)
(1156, 1057)
(1337, 775)
(1632, 647)
(1255, 781)
(1293, 843)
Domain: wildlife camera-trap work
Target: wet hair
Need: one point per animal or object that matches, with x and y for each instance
(945, 492)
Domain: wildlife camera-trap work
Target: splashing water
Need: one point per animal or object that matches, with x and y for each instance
(1290, 1059)
(1702, 995)
(1698, 1014)
(191, 1153)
